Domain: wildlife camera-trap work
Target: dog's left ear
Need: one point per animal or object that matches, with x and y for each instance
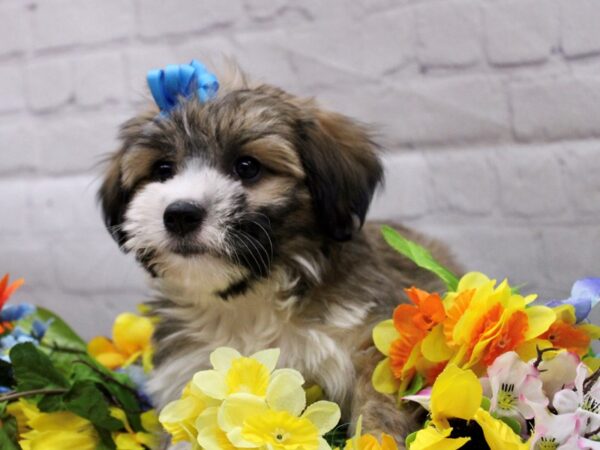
(342, 171)
(113, 198)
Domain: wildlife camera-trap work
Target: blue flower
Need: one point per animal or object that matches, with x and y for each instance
(585, 294)
(39, 328)
(185, 80)
(12, 313)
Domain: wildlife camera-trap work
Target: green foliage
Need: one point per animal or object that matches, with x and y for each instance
(32, 369)
(420, 256)
(6, 443)
(338, 436)
(410, 439)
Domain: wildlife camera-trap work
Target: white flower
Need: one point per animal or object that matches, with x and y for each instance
(514, 383)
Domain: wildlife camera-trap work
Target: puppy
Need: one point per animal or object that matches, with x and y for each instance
(247, 212)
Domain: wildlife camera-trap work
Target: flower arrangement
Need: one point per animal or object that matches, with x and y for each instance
(493, 369)
(55, 395)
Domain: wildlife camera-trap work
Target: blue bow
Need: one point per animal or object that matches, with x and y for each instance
(184, 80)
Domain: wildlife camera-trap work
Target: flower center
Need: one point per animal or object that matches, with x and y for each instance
(506, 396)
(590, 404)
(546, 443)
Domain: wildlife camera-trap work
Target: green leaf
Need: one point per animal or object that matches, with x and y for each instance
(106, 440)
(85, 400)
(6, 443)
(485, 403)
(416, 384)
(58, 333)
(512, 423)
(410, 439)
(420, 256)
(337, 437)
(34, 370)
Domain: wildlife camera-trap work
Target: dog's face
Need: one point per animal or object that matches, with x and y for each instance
(220, 192)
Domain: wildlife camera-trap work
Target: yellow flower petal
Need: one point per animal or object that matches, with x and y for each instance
(472, 280)
(457, 394)
(540, 319)
(268, 358)
(324, 415)
(432, 439)
(178, 418)
(384, 334)
(222, 357)
(383, 379)
(286, 394)
(237, 408)
(132, 333)
(434, 347)
(211, 383)
(99, 345)
(210, 436)
(498, 435)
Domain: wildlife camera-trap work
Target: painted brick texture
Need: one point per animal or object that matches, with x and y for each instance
(489, 112)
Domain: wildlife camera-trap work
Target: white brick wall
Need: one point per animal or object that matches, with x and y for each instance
(489, 110)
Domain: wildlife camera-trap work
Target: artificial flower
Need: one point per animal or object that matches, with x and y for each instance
(567, 334)
(52, 431)
(179, 417)
(585, 294)
(457, 417)
(131, 340)
(233, 373)
(140, 440)
(251, 422)
(6, 291)
(512, 382)
(369, 442)
(553, 431)
(486, 320)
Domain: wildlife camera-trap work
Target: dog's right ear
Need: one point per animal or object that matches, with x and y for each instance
(113, 198)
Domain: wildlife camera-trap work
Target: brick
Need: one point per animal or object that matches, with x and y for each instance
(464, 182)
(580, 32)
(20, 150)
(449, 33)
(14, 28)
(572, 253)
(551, 109)
(49, 84)
(61, 205)
(15, 200)
(100, 78)
(500, 251)
(60, 23)
(383, 43)
(11, 89)
(406, 193)
(523, 192)
(78, 144)
(139, 61)
(581, 168)
(452, 110)
(83, 265)
(158, 18)
(520, 31)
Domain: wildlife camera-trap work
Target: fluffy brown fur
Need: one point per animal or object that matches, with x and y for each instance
(307, 254)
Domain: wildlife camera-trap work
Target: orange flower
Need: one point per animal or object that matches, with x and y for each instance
(512, 334)
(402, 353)
(455, 312)
(564, 335)
(5, 292)
(426, 312)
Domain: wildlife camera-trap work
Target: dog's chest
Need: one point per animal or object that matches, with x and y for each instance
(321, 353)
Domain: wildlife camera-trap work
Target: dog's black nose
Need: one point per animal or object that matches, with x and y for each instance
(183, 217)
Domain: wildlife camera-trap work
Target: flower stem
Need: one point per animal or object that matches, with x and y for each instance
(16, 395)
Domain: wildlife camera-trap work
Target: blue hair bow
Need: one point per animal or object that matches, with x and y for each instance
(184, 80)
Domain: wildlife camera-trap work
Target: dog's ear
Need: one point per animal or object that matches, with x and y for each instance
(342, 171)
(113, 198)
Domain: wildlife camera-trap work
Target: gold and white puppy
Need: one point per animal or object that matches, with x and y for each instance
(247, 211)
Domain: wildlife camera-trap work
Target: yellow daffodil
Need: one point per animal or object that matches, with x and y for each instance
(178, 418)
(455, 403)
(52, 431)
(250, 422)
(131, 440)
(131, 340)
(485, 321)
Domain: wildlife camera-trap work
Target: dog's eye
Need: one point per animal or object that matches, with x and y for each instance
(163, 170)
(247, 168)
